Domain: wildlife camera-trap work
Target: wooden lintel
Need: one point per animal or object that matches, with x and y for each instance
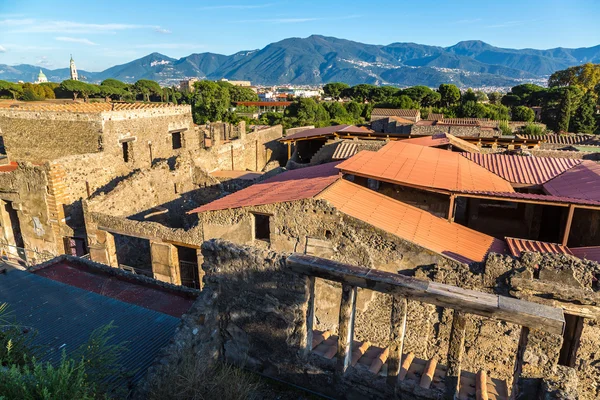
(568, 225)
(346, 328)
(534, 315)
(397, 332)
(451, 209)
(455, 353)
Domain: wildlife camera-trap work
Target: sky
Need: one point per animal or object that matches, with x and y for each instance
(100, 34)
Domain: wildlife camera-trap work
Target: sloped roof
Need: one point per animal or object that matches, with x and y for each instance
(64, 316)
(435, 116)
(429, 141)
(560, 139)
(410, 223)
(395, 112)
(591, 253)
(533, 197)
(298, 184)
(344, 150)
(328, 130)
(580, 182)
(425, 167)
(402, 120)
(522, 169)
(518, 246)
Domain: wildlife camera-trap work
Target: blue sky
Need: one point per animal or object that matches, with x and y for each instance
(101, 34)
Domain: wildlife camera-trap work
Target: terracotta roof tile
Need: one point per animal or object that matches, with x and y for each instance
(297, 184)
(11, 166)
(518, 246)
(561, 139)
(425, 167)
(410, 223)
(589, 253)
(581, 182)
(435, 117)
(522, 169)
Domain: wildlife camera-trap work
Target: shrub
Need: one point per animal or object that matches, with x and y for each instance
(532, 129)
(505, 128)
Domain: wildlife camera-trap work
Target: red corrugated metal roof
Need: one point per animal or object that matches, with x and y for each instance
(297, 184)
(521, 169)
(425, 167)
(344, 150)
(518, 246)
(410, 223)
(589, 253)
(148, 296)
(327, 131)
(533, 197)
(581, 182)
(429, 141)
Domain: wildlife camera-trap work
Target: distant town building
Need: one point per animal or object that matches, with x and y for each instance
(238, 83)
(187, 85)
(73, 69)
(41, 78)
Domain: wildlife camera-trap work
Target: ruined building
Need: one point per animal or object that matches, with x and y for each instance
(59, 154)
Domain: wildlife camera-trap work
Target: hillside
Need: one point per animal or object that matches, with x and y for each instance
(319, 59)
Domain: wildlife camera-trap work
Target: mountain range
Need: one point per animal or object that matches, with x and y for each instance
(319, 59)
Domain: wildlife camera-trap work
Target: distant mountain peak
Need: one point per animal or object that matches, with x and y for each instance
(318, 59)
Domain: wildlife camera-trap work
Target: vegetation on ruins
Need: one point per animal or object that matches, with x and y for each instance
(81, 376)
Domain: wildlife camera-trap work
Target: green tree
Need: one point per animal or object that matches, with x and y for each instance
(354, 109)
(10, 89)
(564, 114)
(338, 113)
(239, 93)
(495, 98)
(77, 88)
(308, 112)
(469, 96)
(511, 100)
(401, 101)
(482, 97)
(383, 93)
(422, 95)
(532, 129)
(147, 88)
(585, 77)
(584, 120)
(335, 89)
(450, 94)
(527, 93)
(115, 83)
(523, 113)
(361, 93)
(211, 102)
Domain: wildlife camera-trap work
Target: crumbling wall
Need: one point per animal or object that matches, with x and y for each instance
(39, 136)
(252, 151)
(26, 188)
(149, 133)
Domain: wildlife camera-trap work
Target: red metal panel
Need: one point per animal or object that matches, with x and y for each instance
(411, 164)
(298, 184)
(581, 182)
(518, 246)
(522, 169)
(411, 223)
(589, 253)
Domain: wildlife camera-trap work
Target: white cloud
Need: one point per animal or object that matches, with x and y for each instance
(507, 24)
(76, 40)
(158, 29)
(2, 49)
(44, 62)
(76, 27)
(16, 22)
(237, 6)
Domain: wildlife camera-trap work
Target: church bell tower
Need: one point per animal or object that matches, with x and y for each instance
(73, 70)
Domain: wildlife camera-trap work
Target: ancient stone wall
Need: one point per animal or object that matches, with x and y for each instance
(39, 136)
(252, 152)
(149, 132)
(26, 190)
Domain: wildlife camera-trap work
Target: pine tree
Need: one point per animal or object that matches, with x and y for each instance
(584, 120)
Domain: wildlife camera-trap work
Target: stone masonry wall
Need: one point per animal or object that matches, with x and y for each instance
(42, 136)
